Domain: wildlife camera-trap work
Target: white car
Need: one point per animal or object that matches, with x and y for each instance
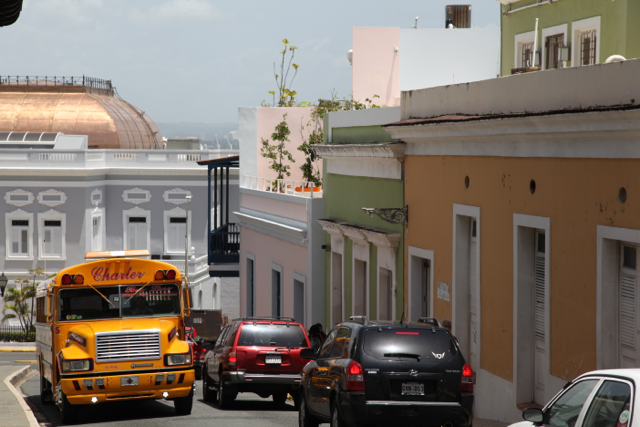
(603, 398)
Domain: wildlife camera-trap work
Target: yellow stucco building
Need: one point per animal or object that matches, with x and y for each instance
(524, 224)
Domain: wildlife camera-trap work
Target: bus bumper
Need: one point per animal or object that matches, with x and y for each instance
(81, 390)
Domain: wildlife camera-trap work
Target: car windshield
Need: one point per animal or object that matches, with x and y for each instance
(409, 343)
(269, 335)
(110, 302)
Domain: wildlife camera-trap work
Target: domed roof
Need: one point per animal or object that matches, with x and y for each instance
(76, 109)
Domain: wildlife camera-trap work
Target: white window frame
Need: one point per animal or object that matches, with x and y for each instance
(61, 197)
(551, 31)
(278, 268)
(98, 213)
(360, 250)
(96, 197)
(300, 278)
(135, 212)
(520, 40)
(337, 246)
(146, 193)
(252, 257)
(19, 192)
(52, 215)
(578, 27)
(420, 254)
(176, 212)
(539, 223)
(18, 214)
(607, 260)
(460, 298)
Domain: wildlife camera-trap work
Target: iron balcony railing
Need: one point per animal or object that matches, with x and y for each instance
(225, 244)
(56, 81)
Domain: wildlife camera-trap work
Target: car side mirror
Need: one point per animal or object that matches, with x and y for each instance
(534, 415)
(308, 353)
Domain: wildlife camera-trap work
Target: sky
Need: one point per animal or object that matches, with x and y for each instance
(199, 60)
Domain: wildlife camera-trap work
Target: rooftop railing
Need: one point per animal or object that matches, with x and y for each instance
(92, 159)
(291, 187)
(56, 81)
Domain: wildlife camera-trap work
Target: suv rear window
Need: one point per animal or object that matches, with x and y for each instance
(269, 335)
(418, 343)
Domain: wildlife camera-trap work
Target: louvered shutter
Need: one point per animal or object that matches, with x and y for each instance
(539, 296)
(132, 236)
(15, 241)
(627, 311)
(56, 241)
(47, 242)
(141, 236)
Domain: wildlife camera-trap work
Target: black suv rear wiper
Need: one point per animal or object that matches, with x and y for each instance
(416, 356)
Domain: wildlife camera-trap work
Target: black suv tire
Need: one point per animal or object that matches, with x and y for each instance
(336, 418)
(305, 419)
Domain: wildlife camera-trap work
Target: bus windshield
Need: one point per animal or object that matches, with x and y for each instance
(118, 302)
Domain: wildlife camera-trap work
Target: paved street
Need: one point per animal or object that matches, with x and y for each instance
(249, 410)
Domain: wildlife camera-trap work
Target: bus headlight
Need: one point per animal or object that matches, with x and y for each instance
(76, 365)
(177, 359)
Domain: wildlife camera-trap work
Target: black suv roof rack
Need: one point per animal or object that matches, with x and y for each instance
(358, 319)
(284, 319)
(430, 321)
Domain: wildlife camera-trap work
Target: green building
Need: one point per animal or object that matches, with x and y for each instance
(364, 216)
(571, 33)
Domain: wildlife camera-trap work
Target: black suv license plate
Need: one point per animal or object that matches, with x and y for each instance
(412, 389)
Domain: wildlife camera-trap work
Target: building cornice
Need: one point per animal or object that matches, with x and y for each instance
(379, 150)
(602, 134)
(361, 234)
(279, 230)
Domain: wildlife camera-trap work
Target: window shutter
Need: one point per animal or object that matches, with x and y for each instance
(539, 296)
(47, 242)
(141, 236)
(132, 237)
(627, 311)
(56, 241)
(15, 241)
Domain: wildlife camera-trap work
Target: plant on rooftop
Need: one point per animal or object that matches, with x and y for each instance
(286, 96)
(277, 153)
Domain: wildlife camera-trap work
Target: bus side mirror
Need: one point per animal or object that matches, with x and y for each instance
(49, 309)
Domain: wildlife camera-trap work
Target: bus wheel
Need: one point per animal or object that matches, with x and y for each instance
(183, 405)
(46, 395)
(69, 411)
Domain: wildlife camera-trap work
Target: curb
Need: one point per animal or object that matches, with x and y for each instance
(10, 382)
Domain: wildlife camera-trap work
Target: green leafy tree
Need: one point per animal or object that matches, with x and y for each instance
(34, 273)
(285, 96)
(277, 153)
(16, 303)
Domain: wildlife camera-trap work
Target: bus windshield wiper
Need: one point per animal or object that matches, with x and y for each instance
(99, 293)
(415, 356)
(138, 291)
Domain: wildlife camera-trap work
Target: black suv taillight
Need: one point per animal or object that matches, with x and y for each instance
(466, 385)
(355, 377)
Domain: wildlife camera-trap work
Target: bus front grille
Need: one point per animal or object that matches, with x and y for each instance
(138, 345)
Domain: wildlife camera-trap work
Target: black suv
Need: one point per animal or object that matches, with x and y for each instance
(387, 373)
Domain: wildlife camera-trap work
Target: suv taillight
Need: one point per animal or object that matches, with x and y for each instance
(355, 377)
(466, 385)
(232, 359)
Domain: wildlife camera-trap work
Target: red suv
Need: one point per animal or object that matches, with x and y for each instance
(259, 355)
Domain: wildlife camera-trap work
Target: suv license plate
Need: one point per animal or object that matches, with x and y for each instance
(127, 381)
(412, 389)
(273, 359)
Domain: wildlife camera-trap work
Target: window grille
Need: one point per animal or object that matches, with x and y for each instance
(553, 45)
(588, 47)
(527, 50)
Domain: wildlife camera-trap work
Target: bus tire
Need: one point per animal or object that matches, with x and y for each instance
(46, 395)
(69, 412)
(183, 405)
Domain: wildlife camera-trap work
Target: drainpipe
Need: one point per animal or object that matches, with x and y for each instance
(535, 47)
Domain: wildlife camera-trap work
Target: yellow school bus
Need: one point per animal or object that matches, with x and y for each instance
(113, 329)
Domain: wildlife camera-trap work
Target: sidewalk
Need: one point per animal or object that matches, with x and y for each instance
(17, 347)
(15, 411)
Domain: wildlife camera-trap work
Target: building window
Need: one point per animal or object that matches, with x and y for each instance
(20, 237)
(276, 290)
(588, 47)
(96, 233)
(136, 227)
(250, 286)
(552, 45)
(526, 54)
(176, 227)
(51, 235)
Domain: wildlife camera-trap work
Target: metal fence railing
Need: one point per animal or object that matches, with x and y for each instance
(56, 81)
(16, 334)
